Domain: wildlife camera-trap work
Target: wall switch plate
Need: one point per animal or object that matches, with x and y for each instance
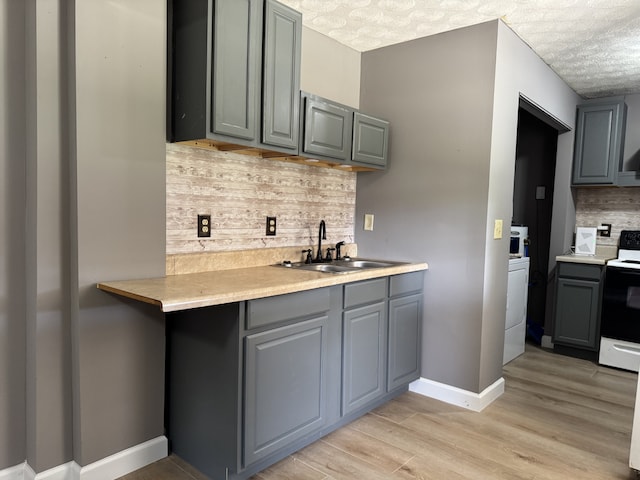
(497, 229)
(271, 227)
(204, 225)
(368, 221)
(540, 192)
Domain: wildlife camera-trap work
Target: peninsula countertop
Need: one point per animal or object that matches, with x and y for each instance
(193, 290)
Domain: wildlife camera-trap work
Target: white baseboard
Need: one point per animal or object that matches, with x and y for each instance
(108, 468)
(61, 472)
(456, 396)
(13, 473)
(125, 461)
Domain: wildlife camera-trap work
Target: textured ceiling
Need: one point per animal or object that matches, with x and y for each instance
(594, 45)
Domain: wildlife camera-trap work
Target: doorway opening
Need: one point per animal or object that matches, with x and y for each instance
(535, 166)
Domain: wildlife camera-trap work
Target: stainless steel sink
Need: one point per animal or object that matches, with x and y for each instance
(366, 263)
(340, 266)
(323, 267)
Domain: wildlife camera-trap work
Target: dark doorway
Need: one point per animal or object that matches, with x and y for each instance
(535, 167)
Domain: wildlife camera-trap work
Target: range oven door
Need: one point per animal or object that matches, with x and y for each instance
(620, 318)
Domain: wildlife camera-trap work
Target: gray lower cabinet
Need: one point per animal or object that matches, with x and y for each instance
(405, 320)
(599, 143)
(364, 343)
(249, 383)
(285, 386)
(405, 329)
(577, 308)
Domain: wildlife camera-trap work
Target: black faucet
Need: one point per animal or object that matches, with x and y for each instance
(338, 245)
(322, 235)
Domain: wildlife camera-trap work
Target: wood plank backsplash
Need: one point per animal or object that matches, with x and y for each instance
(618, 206)
(239, 191)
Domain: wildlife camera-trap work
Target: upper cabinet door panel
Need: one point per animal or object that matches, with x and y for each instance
(281, 88)
(327, 129)
(370, 140)
(236, 57)
(598, 146)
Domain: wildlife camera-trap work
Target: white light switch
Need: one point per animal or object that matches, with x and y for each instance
(368, 221)
(497, 229)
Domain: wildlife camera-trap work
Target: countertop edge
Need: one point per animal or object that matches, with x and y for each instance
(216, 288)
(585, 259)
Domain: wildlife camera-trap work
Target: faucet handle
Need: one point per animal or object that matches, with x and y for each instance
(309, 258)
(328, 257)
(338, 245)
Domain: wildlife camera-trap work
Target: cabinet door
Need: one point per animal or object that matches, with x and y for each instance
(327, 129)
(281, 87)
(405, 320)
(234, 78)
(284, 386)
(598, 146)
(363, 345)
(577, 313)
(370, 140)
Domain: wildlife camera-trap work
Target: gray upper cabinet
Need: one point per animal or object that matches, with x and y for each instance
(235, 62)
(370, 140)
(337, 133)
(599, 142)
(327, 128)
(234, 73)
(281, 81)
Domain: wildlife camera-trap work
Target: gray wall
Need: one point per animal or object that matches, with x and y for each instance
(48, 358)
(120, 177)
(452, 100)
(329, 69)
(83, 170)
(431, 205)
(12, 253)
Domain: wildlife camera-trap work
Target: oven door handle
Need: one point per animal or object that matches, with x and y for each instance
(627, 349)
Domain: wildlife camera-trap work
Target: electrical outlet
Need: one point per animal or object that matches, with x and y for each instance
(271, 227)
(497, 229)
(606, 231)
(204, 225)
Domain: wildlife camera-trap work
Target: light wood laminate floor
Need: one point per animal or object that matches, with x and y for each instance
(559, 418)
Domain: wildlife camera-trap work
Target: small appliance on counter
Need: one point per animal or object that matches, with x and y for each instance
(519, 241)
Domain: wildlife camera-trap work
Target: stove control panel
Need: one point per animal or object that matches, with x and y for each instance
(630, 240)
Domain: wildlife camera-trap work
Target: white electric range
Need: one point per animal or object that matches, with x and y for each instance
(620, 315)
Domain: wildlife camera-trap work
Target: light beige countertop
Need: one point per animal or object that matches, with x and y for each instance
(602, 256)
(192, 290)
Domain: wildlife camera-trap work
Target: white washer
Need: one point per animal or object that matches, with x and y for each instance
(515, 328)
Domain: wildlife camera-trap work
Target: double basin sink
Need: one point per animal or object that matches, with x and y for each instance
(347, 265)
